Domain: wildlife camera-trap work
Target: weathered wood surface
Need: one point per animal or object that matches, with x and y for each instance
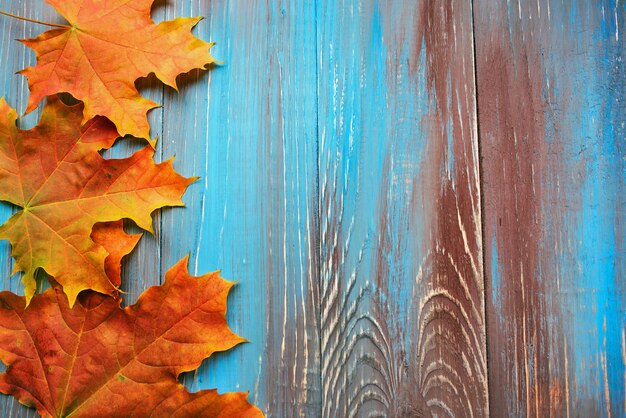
(552, 113)
(402, 316)
(339, 153)
(249, 130)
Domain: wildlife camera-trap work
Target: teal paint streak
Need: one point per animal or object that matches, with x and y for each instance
(496, 286)
(610, 177)
(596, 114)
(588, 119)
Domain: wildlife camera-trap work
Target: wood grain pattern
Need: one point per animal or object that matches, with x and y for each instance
(338, 148)
(552, 110)
(248, 128)
(250, 133)
(402, 317)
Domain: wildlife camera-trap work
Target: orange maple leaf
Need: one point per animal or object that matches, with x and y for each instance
(55, 173)
(98, 360)
(117, 244)
(107, 46)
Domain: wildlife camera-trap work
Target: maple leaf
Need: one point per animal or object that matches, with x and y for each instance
(117, 244)
(106, 48)
(98, 360)
(55, 173)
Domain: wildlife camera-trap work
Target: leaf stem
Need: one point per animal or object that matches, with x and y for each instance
(33, 20)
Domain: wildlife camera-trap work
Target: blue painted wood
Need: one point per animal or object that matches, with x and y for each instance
(250, 133)
(338, 150)
(402, 318)
(248, 128)
(552, 101)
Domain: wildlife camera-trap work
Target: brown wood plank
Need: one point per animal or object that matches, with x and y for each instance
(552, 111)
(402, 318)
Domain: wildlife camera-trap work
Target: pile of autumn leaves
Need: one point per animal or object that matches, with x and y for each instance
(72, 350)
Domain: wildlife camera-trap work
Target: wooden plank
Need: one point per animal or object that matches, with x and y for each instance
(248, 129)
(552, 113)
(402, 316)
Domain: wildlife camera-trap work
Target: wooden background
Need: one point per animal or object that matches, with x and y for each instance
(422, 201)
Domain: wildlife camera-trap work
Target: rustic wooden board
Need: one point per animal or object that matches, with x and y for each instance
(248, 128)
(402, 316)
(552, 113)
(340, 186)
